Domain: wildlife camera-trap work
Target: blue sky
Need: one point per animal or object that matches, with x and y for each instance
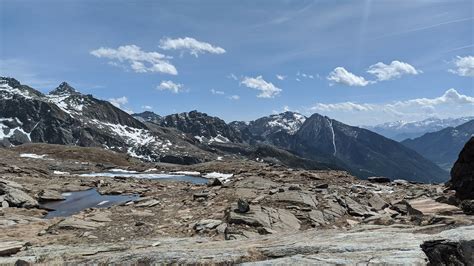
(362, 62)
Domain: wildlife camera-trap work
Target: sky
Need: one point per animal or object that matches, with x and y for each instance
(360, 62)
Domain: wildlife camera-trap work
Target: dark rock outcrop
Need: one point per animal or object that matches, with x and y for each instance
(462, 173)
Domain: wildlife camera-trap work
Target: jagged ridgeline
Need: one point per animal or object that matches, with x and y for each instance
(65, 116)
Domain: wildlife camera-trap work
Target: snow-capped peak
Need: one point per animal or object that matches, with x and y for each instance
(287, 121)
(64, 89)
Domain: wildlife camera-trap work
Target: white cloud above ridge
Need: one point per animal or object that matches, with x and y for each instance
(234, 97)
(450, 104)
(168, 85)
(267, 89)
(118, 102)
(342, 76)
(280, 77)
(464, 66)
(217, 92)
(136, 59)
(191, 45)
(394, 70)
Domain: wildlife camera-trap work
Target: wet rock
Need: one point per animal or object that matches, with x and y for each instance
(242, 206)
(378, 179)
(462, 173)
(50, 195)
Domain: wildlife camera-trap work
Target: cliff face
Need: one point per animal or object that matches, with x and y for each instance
(462, 173)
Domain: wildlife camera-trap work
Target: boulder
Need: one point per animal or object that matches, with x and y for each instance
(242, 206)
(50, 195)
(279, 220)
(207, 224)
(10, 247)
(462, 173)
(377, 202)
(16, 197)
(467, 207)
(427, 206)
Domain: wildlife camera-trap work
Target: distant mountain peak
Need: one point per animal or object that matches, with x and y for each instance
(64, 89)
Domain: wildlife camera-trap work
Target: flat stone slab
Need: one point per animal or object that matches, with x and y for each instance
(428, 206)
(364, 244)
(10, 247)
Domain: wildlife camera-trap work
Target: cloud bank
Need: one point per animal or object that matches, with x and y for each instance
(190, 45)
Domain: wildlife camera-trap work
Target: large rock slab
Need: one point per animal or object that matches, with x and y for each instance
(365, 244)
(295, 197)
(279, 220)
(16, 197)
(10, 247)
(427, 206)
(462, 173)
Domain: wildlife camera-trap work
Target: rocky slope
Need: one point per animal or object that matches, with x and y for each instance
(442, 147)
(67, 117)
(364, 152)
(204, 128)
(263, 214)
(401, 130)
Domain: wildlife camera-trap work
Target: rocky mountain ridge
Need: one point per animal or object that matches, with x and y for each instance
(442, 147)
(65, 116)
(402, 130)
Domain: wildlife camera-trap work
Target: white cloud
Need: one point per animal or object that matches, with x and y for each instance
(192, 45)
(170, 86)
(119, 102)
(304, 75)
(394, 70)
(147, 107)
(267, 89)
(234, 97)
(280, 77)
(342, 76)
(213, 91)
(450, 104)
(138, 60)
(464, 66)
(232, 76)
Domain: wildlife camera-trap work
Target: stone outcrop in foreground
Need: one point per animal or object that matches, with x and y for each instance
(462, 174)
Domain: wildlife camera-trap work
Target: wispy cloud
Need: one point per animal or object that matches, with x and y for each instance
(280, 77)
(342, 76)
(213, 91)
(464, 66)
(169, 85)
(136, 59)
(267, 89)
(190, 45)
(234, 97)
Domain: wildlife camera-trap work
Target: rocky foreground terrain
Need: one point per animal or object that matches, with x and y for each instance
(263, 214)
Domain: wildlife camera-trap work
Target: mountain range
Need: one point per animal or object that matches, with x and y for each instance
(65, 116)
(402, 130)
(442, 147)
